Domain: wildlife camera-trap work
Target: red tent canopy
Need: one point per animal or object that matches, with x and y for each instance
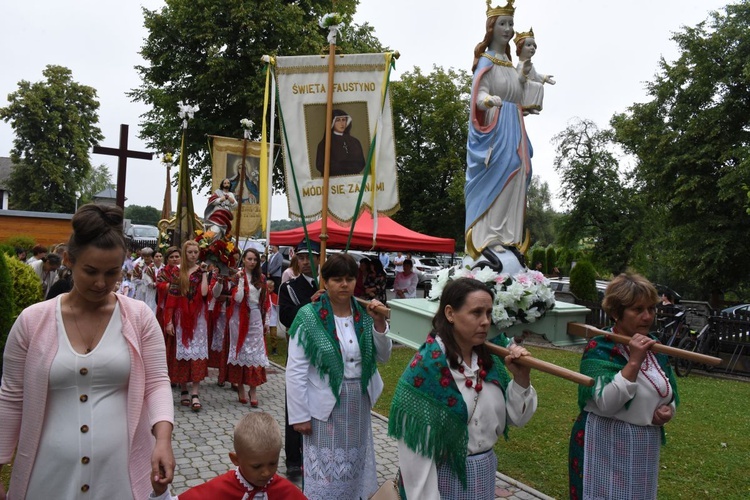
(392, 236)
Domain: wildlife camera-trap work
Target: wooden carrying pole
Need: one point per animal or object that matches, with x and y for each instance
(587, 331)
(529, 361)
(327, 156)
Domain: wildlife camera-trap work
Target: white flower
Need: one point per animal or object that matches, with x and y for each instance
(485, 275)
(246, 123)
(524, 300)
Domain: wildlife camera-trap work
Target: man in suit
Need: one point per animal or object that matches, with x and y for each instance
(294, 294)
(275, 263)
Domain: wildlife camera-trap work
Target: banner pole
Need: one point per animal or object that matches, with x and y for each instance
(271, 158)
(327, 157)
(242, 186)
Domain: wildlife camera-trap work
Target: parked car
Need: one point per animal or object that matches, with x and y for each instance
(734, 309)
(563, 285)
(426, 267)
(138, 236)
(141, 232)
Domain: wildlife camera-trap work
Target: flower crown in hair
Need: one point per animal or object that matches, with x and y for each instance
(508, 10)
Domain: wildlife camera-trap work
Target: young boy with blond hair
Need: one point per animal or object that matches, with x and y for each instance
(257, 445)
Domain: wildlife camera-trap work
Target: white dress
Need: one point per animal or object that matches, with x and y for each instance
(253, 349)
(84, 442)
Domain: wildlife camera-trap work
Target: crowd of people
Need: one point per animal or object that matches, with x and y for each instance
(96, 357)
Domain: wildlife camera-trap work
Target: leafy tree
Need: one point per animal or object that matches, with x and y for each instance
(142, 215)
(98, 179)
(692, 144)
(284, 224)
(540, 216)
(208, 52)
(55, 127)
(604, 211)
(430, 122)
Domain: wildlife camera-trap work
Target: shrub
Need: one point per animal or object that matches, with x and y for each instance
(6, 302)
(7, 250)
(24, 241)
(583, 281)
(537, 255)
(26, 286)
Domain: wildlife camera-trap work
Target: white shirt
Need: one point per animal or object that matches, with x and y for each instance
(610, 401)
(485, 426)
(409, 283)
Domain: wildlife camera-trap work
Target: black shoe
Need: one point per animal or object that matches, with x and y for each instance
(294, 474)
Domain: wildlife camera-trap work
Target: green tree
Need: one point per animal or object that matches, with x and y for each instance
(54, 122)
(692, 144)
(208, 52)
(98, 180)
(583, 281)
(142, 215)
(604, 212)
(430, 123)
(540, 216)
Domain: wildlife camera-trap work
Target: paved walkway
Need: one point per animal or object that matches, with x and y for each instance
(202, 440)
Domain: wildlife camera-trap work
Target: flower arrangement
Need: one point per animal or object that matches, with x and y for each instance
(220, 252)
(247, 127)
(330, 20)
(521, 298)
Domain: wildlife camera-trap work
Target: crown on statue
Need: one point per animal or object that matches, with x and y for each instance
(523, 35)
(508, 10)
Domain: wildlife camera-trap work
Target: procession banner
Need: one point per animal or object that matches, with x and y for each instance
(362, 106)
(227, 162)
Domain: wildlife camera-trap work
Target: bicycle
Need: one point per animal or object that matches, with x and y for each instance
(671, 334)
(704, 342)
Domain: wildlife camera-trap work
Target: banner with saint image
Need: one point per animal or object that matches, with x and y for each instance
(361, 117)
(227, 156)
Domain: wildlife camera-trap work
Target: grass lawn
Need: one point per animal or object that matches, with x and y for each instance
(706, 455)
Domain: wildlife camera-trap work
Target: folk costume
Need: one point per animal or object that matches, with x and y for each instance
(615, 424)
(246, 357)
(233, 486)
(218, 340)
(332, 381)
(144, 279)
(188, 314)
(169, 276)
(447, 422)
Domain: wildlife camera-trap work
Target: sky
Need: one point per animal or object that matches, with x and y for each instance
(601, 54)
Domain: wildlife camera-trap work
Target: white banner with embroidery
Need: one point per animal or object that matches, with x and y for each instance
(361, 116)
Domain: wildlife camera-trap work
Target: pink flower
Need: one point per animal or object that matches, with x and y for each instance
(418, 381)
(445, 381)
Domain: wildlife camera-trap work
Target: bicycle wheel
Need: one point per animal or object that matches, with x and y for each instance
(684, 366)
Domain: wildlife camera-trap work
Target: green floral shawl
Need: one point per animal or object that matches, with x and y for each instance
(319, 340)
(428, 411)
(603, 359)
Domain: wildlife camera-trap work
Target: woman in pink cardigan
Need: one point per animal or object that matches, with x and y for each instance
(85, 399)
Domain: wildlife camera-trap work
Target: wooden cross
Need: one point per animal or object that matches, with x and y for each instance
(123, 154)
